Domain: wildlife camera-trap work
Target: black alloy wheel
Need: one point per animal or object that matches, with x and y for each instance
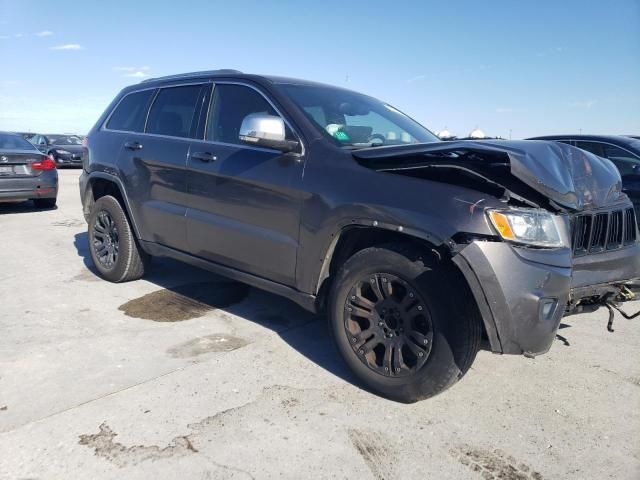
(105, 240)
(388, 324)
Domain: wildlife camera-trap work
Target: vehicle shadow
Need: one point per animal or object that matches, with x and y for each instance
(28, 206)
(305, 332)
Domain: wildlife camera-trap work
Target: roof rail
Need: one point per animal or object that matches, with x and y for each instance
(203, 73)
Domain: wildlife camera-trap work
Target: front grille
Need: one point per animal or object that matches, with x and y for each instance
(599, 232)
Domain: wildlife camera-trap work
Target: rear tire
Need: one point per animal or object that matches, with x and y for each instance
(114, 249)
(417, 334)
(45, 202)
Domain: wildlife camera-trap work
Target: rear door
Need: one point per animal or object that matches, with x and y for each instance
(244, 201)
(153, 163)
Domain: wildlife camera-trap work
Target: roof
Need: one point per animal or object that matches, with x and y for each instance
(236, 74)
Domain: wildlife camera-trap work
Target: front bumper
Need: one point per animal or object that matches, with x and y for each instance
(521, 301)
(44, 185)
(522, 293)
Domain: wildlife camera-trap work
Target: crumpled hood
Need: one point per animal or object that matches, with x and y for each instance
(570, 177)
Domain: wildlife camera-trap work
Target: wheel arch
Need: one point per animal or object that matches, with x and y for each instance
(354, 238)
(100, 184)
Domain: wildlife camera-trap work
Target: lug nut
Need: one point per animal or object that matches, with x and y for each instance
(361, 351)
(373, 280)
(353, 297)
(420, 308)
(425, 341)
(384, 280)
(354, 340)
(350, 309)
(380, 324)
(410, 294)
(420, 354)
(397, 370)
(386, 369)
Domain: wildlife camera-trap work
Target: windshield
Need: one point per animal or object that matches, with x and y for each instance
(14, 142)
(68, 141)
(350, 119)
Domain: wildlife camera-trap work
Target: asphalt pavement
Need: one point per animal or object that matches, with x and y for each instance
(187, 375)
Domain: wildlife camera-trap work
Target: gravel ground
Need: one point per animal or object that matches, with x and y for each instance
(185, 373)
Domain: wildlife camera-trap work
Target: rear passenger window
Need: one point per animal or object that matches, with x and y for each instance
(173, 111)
(130, 113)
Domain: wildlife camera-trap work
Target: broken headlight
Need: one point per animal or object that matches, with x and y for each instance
(527, 226)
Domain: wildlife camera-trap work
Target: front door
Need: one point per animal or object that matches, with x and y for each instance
(244, 202)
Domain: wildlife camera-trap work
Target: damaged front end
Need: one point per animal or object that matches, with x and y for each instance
(576, 250)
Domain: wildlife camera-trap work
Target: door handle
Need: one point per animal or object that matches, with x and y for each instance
(204, 156)
(133, 145)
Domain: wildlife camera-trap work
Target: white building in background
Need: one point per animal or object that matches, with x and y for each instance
(444, 133)
(476, 133)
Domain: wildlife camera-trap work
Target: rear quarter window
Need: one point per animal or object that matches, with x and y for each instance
(129, 115)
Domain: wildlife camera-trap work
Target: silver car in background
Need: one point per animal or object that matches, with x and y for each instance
(26, 173)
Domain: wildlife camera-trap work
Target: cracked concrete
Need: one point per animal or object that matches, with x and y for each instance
(254, 389)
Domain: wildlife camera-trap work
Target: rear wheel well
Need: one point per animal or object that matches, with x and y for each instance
(100, 187)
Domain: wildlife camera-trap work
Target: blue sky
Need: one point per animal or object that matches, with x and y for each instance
(528, 68)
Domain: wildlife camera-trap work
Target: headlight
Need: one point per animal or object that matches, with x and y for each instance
(63, 152)
(527, 226)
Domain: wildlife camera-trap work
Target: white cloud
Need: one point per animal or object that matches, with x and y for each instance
(67, 46)
(9, 83)
(44, 33)
(417, 78)
(133, 72)
(19, 35)
(138, 74)
(504, 110)
(4, 37)
(583, 104)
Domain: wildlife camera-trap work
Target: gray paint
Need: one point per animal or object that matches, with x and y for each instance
(272, 219)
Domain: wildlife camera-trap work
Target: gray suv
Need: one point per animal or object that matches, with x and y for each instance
(416, 250)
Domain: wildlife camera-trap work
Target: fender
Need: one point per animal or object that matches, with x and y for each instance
(123, 193)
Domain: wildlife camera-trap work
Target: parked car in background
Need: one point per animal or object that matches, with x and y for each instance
(26, 173)
(64, 149)
(415, 248)
(622, 150)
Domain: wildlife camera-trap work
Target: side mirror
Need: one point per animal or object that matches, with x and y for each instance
(267, 131)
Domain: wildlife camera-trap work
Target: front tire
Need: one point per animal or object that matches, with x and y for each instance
(114, 249)
(403, 327)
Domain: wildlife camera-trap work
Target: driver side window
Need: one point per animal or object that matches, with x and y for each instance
(230, 104)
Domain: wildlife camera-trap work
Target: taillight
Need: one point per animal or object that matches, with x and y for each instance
(85, 142)
(45, 164)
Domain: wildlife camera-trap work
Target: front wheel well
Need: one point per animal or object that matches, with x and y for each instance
(354, 239)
